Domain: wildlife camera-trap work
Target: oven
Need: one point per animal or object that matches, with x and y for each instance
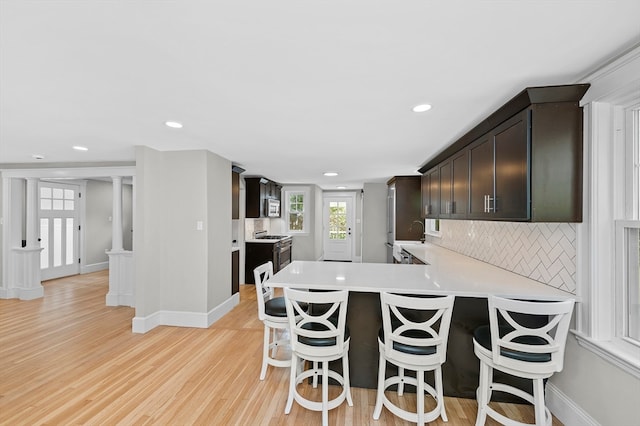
(282, 254)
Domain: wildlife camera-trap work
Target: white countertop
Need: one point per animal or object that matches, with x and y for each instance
(447, 272)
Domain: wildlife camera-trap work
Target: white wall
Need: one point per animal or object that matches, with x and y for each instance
(182, 273)
(374, 223)
(97, 228)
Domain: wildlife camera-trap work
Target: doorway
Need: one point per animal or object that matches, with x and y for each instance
(59, 229)
(338, 227)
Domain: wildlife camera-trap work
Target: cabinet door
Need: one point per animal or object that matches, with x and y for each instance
(235, 272)
(235, 195)
(460, 185)
(481, 174)
(434, 193)
(426, 195)
(512, 169)
(445, 189)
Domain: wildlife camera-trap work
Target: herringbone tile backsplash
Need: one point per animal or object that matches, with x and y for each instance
(544, 252)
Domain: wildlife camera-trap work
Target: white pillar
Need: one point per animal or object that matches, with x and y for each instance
(121, 263)
(25, 282)
(116, 224)
(32, 213)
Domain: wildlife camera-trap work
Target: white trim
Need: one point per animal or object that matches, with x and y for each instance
(70, 172)
(565, 409)
(184, 319)
(306, 196)
(610, 352)
(94, 267)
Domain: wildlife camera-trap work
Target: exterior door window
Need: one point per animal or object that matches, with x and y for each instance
(58, 230)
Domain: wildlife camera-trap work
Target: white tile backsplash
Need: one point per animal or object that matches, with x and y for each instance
(544, 252)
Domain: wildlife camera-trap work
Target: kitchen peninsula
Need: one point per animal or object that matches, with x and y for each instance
(445, 273)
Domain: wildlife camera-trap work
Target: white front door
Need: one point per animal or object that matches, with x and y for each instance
(338, 228)
(59, 213)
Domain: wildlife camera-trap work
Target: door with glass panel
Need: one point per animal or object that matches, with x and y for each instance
(59, 230)
(338, 228)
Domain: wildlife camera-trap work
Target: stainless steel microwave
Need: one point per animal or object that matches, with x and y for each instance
(272, 207)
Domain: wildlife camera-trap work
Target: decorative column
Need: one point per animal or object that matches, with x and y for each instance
(27, 282)
(121, 272)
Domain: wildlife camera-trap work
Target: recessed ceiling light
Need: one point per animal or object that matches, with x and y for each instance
(80, 148)
(173, 124)
(37, 156)
(330, 174)
(341, 187)
(422, 108)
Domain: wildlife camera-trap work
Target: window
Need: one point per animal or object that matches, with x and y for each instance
(296, 211)
(608, 240)
(433, 228)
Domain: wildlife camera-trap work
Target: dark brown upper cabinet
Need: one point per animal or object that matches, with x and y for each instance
(431, 193)
(257, 190)
(499, 170)
(524, 162)
(407, 208)
(454, 186)
(235, 195)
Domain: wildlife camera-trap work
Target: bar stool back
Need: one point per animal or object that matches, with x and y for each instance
(318, 336)
(512, 345)
(273, 313)
(414, 336)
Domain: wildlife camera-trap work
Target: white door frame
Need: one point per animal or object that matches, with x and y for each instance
(351, 220)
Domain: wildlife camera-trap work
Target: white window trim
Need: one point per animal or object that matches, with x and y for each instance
(305, 191)
(615, 89)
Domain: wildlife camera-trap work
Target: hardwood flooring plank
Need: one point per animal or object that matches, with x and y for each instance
(69, 359)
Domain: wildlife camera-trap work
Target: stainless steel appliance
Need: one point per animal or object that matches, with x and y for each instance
(272, 207)
(274, 248)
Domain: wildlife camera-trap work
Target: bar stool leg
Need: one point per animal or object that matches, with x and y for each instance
(440, 392)
(538, 398)
(420, 397)
(483, 388)
(345, 377)
(265, 352)
(325, 393)
(382, 364)
(401, 384)
(292, 383)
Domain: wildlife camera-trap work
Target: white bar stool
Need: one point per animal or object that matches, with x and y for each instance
(318, 337)
(273, 313)
(414, 336)
(510, 345)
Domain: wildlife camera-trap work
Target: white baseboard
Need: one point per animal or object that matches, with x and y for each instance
(565, 409)
(184, 319)
(94, 267)
(22, 293)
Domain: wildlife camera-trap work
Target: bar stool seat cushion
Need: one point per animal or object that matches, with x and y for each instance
(482, 335)
(275, 307)
(329, 341)
(410, 349)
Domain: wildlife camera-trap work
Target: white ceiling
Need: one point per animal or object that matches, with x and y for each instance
(286, 89)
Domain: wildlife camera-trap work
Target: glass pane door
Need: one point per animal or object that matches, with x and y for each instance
(58, 230)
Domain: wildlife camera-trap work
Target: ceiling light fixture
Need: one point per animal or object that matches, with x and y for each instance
(330, 174)
(341, 187)
(80, 148)
(38, 157)
(173, 124)
(422, 108)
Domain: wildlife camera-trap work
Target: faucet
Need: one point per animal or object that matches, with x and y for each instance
(423, 235)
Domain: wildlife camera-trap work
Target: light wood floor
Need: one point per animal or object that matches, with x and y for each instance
(69, 359)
